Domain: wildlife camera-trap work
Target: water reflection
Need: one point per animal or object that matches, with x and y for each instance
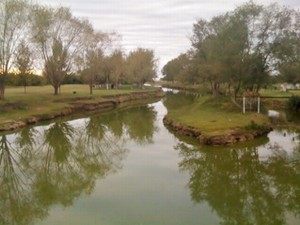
(174, 100)
(53, 165)
(246, 185)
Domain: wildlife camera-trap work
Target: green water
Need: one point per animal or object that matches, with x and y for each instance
(125, 167)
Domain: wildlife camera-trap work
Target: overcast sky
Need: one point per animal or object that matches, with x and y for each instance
(162, 25)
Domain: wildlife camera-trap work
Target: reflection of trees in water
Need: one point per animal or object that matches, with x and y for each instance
(17, 205)
(40, 168)
(139, 124)
(242, 188)
(175, 100)
(135, 123)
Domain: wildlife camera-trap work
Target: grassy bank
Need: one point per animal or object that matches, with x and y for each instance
(38, 101)
(215, 121)
(215, 116)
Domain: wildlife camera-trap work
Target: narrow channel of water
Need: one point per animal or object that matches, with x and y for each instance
(125, 167)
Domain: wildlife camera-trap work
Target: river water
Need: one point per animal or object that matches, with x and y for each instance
(126, 167)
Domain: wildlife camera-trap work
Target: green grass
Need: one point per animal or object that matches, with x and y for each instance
(215, 116)
(41, 100)
(278, 93)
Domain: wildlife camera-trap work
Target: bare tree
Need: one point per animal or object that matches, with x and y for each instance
(13, 21)
(59, 37)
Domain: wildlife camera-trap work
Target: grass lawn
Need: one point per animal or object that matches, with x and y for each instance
(41, 100)
(278, 93)
(215, 116)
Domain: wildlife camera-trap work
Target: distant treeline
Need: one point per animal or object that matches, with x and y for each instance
(37, 80)
(67, 49)
(241, 50)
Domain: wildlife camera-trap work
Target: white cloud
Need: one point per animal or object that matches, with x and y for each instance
(160, 25)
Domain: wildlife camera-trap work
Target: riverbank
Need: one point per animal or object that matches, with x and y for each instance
(216, 121)
(38, 104)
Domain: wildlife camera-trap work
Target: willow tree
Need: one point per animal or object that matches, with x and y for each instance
(13, 24)
(59, 37)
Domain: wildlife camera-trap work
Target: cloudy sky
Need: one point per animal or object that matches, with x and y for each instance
(162, 25)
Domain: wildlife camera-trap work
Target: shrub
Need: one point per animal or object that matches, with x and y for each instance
(294, 103)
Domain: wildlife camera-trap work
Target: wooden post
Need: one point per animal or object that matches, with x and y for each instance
(244, 104)
(258, 104)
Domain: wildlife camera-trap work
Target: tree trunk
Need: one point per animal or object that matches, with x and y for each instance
(215, 88)
(237, 89)
(107, 83)
(91, 89)
(56, 89)
(2, 86)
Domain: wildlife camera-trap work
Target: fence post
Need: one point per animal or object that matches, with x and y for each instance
(258, 105)
(244, 104)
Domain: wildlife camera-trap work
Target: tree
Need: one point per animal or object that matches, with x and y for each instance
(13, 21)
(241, 48)
(287, 51)
(56, 66)
(141, 66)
(24, 63)
(207, 43)
(117, 62)
(91, 63)
(94, 63)
(59, 37)
(175, 68)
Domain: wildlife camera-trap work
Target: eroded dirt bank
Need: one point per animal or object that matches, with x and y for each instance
(231, 137)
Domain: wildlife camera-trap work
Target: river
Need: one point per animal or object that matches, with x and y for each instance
(126, 167)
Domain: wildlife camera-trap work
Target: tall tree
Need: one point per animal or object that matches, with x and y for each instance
(117, 67)
(56, 66)
(141, 66)
(59, 37)
(94, 63)
(287, 51)
(176, 68)
(13, 20)
(208, 44)
(92, 60)
(24, 62)
(241, 48)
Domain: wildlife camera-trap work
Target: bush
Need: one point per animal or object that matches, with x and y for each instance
(294, 103)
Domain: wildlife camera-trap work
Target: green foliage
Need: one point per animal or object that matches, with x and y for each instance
(294, 103)
(176, 68)
(13, 23)
(290, 72)
(141, 66)
(237, 51)
(56, 66)
(255, 126)
(31, 79)
(73, 79)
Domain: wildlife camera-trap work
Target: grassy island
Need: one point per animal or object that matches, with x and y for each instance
(216, 121)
